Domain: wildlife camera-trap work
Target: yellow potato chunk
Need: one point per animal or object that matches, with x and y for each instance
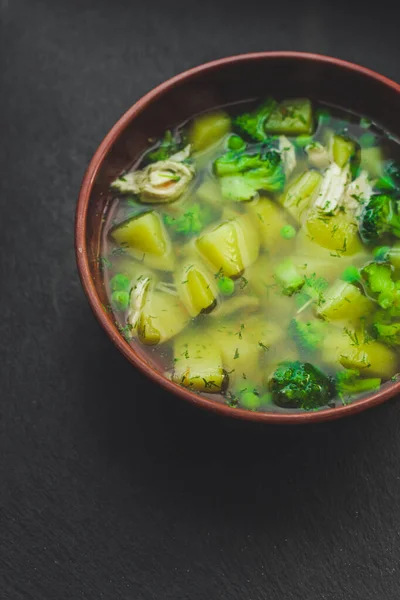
(344, 301)
(208, 129)
(342, 149)
(349, 349)
(197, 288)
(299, 195)
(231, 246)
(198, 364)
(145, 237)
(337, 232)
(162, 317)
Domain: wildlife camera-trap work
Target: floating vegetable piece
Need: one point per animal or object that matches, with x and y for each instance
(380, 217)
(350, 349)
(349, 383)
(155, 316)
(243, 174)
(145, 237)
(206, 130)
(344, 300)
(287, 275)
(190, 222)
(295, 384)
(343, 149)
(252, 123)
(198, 364)
(300, 194)
(230, 247)
(338, 232)
(197, 288)
(170, 145)
(291, 117)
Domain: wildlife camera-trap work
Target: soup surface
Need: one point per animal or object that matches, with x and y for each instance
(254, 252)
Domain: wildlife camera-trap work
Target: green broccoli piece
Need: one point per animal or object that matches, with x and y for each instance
(234, 163)
(390, 180)
(295, 384)
(169, 145)
(378, 277)
(349, 383)
(190, 222)
(314, 287)
(287, 275)
(242, 175)
(389, 333)
(380, 216)
(253, 123)
(381, 253)
(307, 335)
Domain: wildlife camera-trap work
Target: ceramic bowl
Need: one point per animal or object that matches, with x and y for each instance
(224, 81)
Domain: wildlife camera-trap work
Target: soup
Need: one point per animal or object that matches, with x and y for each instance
(254, 252)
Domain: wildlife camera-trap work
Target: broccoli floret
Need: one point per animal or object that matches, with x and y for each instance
(169, 145)
(381, 253)
(295, 384)
(190, 222)
(389, 333)
(287, 275)
(390, 180)
(380, 216)
(349, 383)
(315, 286)
(307, 335)
(242, 175)
(378, 277)
(253, 123)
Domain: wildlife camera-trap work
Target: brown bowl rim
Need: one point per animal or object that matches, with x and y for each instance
(387, 392)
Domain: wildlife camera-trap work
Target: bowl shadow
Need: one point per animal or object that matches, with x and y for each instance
(205, 463)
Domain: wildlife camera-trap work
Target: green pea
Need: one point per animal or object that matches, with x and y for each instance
(226, 286)
(235, 142)
(351, 274)
(120, 282)
(250, 401)
(288, 232)
(120, 299)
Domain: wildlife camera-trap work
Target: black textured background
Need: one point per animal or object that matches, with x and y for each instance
(109, 488)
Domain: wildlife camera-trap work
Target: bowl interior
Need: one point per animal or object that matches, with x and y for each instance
(220, 83)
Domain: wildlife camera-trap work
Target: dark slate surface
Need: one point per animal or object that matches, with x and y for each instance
(109, 488)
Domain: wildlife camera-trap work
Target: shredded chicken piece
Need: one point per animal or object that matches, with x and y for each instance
(330, 196)
(318, 155)
(357, 194)
(288, 154)
(163, 181)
